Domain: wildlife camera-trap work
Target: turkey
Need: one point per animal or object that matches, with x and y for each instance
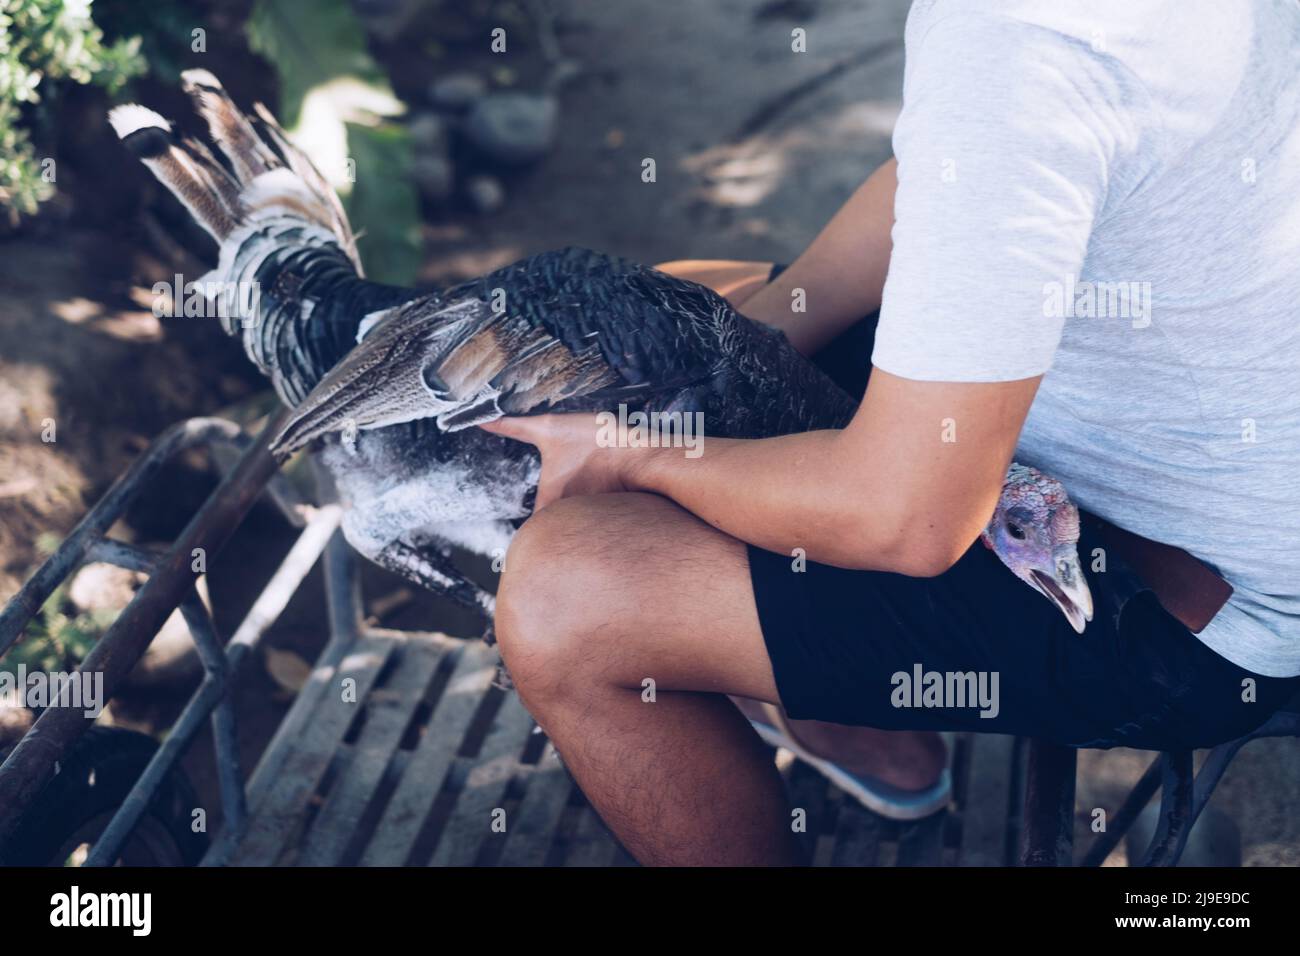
(387, 383)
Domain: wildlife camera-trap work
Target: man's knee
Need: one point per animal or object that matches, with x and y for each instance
(559, 596)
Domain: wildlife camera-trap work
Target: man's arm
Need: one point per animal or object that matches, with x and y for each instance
(886, 493)
(842, 272)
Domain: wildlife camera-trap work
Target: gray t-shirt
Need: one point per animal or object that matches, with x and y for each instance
(1109, 193)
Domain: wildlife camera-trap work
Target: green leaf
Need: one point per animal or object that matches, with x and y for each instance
(310, 42)
(333, 98)
(46, 44)
(383, 205)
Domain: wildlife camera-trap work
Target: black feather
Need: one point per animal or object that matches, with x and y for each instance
(149, 142)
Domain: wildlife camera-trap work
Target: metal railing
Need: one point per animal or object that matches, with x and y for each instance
(1048, 833)
(170, 585)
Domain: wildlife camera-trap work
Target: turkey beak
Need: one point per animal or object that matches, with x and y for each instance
(1066, 587)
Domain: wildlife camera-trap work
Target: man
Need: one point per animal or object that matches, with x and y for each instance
(1088, 256)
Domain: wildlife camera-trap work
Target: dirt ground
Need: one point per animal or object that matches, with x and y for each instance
(755, 147)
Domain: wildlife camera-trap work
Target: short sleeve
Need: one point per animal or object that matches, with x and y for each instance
(1006, 146)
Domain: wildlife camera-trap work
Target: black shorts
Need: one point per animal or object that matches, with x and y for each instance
(977, 649)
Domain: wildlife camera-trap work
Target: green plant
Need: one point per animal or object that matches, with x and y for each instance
(44, 43)
(338, 104)
(57, 639)
(163, 27)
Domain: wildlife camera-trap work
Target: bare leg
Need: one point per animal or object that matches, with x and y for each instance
(625, 621)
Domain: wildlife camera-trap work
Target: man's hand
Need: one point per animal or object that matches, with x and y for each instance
(573, 461)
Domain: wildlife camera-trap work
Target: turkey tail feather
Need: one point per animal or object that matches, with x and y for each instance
(268, 176)
(230, 129)
(302, 190)
(184, 166)
(306, 170)
(288, 280)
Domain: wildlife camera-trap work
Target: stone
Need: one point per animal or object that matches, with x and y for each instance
(514, 129)
(486, 193)
(103, 587)
(433, 176)
(457, 91)
(428, 132)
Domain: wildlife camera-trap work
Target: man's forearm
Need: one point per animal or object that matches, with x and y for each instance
(807, 491)
(894, 491)
(842, 273)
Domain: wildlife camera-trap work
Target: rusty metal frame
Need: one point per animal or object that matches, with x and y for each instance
(171, 586)
(1048, 834)
(1047, 837)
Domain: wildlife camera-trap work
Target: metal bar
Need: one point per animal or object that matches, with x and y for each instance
(269, 605)
(343, 598)
(342, 592)
(230, 776)
(1048, 836)
(29, 599)
(1282, 724)
(279, 490)
(123, 555)
(1175, 810)
(275, 597)
(95, 547)
(119, 829)
(266, 610)
(1212, 769)
(31, 763)
(210, 693)
(1119, 824)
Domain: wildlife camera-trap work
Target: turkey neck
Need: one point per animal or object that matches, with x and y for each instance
(310, 303)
